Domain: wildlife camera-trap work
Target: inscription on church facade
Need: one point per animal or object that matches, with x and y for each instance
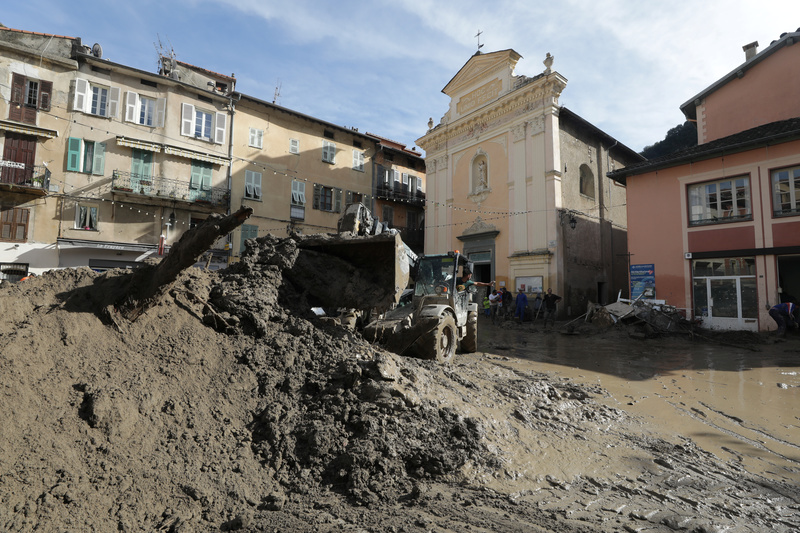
(479, 96)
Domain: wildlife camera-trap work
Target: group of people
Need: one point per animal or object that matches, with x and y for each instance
(500, 304)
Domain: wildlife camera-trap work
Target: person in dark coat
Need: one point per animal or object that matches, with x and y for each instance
(550, 300)
(785, 315)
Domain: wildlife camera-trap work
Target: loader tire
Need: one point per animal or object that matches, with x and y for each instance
(439, 344)
(469, 343)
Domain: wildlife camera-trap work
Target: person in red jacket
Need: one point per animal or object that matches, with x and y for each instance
(785, 315)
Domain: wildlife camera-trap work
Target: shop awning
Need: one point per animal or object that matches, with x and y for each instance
(105, 245)
(26, 129)
(200, 156)
(138, 144)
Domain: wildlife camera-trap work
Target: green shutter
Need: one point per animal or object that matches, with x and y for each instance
(206, 174)
(98, 166)
(197, 176)
(337, 200)
(315, 205)
(74, 154)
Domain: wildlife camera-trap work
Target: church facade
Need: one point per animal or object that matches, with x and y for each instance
(518, 183)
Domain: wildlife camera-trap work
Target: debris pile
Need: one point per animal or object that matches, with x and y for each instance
(655, 315)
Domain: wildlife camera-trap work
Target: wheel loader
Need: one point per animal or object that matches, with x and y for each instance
(408, 304)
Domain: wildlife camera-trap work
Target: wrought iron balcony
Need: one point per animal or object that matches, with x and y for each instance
(401, 193)
(168, 189)
(34, 176)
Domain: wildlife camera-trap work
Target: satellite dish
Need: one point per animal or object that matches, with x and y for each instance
(97, 50)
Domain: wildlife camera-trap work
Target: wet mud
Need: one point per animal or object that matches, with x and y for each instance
(228, 406)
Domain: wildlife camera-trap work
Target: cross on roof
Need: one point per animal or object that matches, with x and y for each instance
(478, 35)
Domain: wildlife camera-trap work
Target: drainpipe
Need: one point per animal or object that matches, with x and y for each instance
(232, 112)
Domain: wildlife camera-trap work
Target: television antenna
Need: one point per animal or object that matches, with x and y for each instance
(277, 92)
(478, 35)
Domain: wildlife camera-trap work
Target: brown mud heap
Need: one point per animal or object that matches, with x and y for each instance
(229, 406)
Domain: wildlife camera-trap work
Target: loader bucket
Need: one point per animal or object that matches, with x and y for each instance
(355, 272)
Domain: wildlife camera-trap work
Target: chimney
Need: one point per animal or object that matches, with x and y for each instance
(750, 50)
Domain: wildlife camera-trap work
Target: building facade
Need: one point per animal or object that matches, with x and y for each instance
(105, 165)
(400, 190)
(519, 184)
(719, 223)
(297, 172)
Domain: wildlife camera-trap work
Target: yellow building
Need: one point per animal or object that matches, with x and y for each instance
(519, 184)
(297, 172)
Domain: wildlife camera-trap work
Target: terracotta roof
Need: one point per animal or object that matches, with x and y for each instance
(37, 33)
(217, 74)
(766, 135)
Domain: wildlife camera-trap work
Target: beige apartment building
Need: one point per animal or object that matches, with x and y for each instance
(297, 172)
(105, 165)
(518, 183)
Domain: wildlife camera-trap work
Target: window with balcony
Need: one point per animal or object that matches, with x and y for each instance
(252, 185)
(298, 203)
(200, 181)
(786, 191)
(86, 156)
(86, 217)
(328, 152)
(14, 224)
(720, 201)
(28, 96)
(256, 138)
(93, 99)
(145, 110)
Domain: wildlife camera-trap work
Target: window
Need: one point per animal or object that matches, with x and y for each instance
(358, 160)
(587, 181)
(297, 208)
(202, 124)
(328, 152)
(200, 181)
(145, 110)
(388, 215)
(327, 198)
(252, 185)
(256, 138)
(86, 217)
(719, 201)
(14, 224)
(85, 156)
(249, 231)
(96, 99)
(411, 220)
(27, 97)
(294, 146)
(786, 191)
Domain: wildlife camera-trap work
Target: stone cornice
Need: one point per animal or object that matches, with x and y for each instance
(526, 99)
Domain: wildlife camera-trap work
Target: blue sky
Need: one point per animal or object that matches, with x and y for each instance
(380, 65)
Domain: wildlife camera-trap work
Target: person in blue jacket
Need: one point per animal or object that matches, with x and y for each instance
(785, 315)
(522, 304)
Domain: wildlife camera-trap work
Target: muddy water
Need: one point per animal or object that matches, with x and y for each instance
(741, 404)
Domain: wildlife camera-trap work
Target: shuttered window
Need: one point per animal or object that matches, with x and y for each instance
(14, 224)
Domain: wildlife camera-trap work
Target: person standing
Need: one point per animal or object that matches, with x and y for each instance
(785, 315)
(508, 299)
(521, 305)
(550, 300)
(494, 302)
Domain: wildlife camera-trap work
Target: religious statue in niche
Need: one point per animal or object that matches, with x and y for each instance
(480, 178)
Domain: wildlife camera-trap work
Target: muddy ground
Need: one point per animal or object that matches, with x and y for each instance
(229, 407)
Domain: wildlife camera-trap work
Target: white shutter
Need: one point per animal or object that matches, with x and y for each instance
(114, 95)
(131, 106)
(294, 146)
(81, 100)
(161, 112)
(405, 178)
(187, 120)
(219, 128)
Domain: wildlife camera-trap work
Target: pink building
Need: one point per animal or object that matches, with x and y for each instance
(719, 223)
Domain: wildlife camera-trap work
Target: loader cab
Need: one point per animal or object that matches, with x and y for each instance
(439, 274)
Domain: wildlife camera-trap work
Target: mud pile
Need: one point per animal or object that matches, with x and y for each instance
(230, 406)
(219, 402)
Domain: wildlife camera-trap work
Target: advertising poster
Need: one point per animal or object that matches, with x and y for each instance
(643, 281)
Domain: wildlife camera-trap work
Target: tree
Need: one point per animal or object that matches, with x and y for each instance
(678, 138)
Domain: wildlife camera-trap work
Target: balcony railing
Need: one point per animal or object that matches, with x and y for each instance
(400, 192)
(166, 188)
(35, 176)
